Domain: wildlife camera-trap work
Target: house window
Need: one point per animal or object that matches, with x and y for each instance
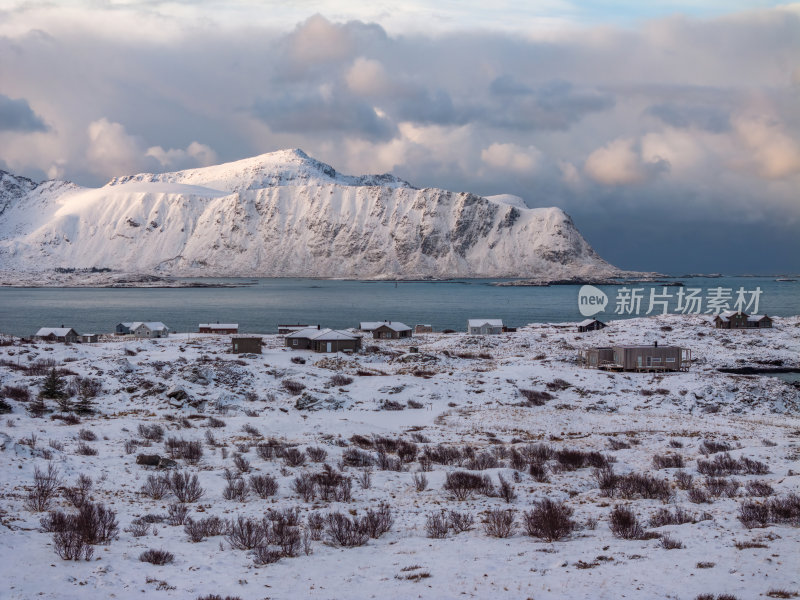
(671, 359)
(656, 359)
(294, 342)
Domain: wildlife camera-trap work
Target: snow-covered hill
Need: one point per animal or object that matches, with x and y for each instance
(285, 214)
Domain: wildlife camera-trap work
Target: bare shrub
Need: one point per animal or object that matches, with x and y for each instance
(754, 514)
(460, 521)
(69, 545)
(607, 481)
(535, 397)
(96, 523)
(669, 543)
(387, 463)
(668, 461)
(83, 449)
(294, 457)
(344, 531)
(20, 393)
(698, 495)
(340, 380)
(364, 478)
(157, 557)
(156, 487)
(154, 432)
(420, 482)
(664, 516)
(548, 520)
(316, 454)
(177, 514)
(633, 485)
(482, 461)
(506, 490)
(263, 486)
(615, 444)
(570, 459)
(246, 534)
(712, 447)
(315, 523)
(673, 443)
(87, 435)
(189, 450)
(407, 451)
(463, 484)
(185, 486)
(332, 485)
(293, 387)
(236, 488)
(305, 486)
(785, 509)
(436, 525)
(378, 521)
(138, 528)
(759, 488)
(78, 494)
(215, 422)
(683, 479)
(353, 457)
(719, 486)
(443, 455)
(45, 486)
(538, 470)
(241, 463)
(624, 524)
(499, 523)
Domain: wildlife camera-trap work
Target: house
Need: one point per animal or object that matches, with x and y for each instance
(246, 345)
(590, 325)
(220, 328)
(123, 328)
(284, 329)
(391, 330)
(637, 358)
(370, 325)
(731, 319)
(484, 326)
(322, 340)
(150, 329)
(88, 338)
(57, 334)
(423, 328)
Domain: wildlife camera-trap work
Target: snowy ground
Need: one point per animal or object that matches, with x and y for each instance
(469, 393)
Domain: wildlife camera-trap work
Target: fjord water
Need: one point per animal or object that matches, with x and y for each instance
(260, 307)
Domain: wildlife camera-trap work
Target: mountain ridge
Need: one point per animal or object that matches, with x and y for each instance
(285, 214)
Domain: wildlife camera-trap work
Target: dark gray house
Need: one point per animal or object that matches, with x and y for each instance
(246, 345)
(322, 340)
(391, 330)
(590, 325)
(731, 319)
(57, 334)
(639, 358)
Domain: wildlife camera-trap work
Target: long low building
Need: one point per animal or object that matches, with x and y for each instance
(144, 329)
(221, 328)
(322, 340)
(57, 334)
(653, 358)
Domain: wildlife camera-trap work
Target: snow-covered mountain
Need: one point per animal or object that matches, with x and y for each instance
(285, 214)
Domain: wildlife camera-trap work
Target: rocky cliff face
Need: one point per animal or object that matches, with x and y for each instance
(285, 214)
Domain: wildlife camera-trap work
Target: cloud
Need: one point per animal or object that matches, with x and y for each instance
(773, 153)
(17, 115)
(113, 151)
(511, 157)
(709, 118)
(620, 162)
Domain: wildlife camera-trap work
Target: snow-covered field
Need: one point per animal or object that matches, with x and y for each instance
(514, 404)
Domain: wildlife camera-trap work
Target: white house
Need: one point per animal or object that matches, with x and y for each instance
(484, 326)
(151, 329)
(57, 334)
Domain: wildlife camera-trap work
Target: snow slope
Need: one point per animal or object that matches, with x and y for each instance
(285, 214)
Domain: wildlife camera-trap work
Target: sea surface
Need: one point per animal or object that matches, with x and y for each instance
(261, 304)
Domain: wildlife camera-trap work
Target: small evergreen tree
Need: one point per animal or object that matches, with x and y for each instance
(53, 386)
(65, 404)
(85, 405)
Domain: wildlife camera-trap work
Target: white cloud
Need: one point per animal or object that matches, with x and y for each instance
(772, 153)
(511, 157)
(367, 77)
(620, 162)
(196, 154)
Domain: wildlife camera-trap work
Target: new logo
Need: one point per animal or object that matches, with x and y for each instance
(591, 300)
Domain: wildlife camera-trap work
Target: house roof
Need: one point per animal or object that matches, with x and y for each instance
(56, 331)
(220, 325)
(151, 325)
(586, 322)
(757, 317)
(395, 326)
(333, 334)
(481, 322)
(370, 325)
(306, 332)
(644, 346)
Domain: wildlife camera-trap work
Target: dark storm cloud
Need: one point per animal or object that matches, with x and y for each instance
(17, 115)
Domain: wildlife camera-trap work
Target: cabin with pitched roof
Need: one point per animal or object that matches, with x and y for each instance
(590, 325)
(731, 319)
(640, 358)
(219, 328)
(391, 330)
(57, 334)
(149, 329)
(484, 326)
(322, 340)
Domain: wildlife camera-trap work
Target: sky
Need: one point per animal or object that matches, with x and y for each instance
(668, 130)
